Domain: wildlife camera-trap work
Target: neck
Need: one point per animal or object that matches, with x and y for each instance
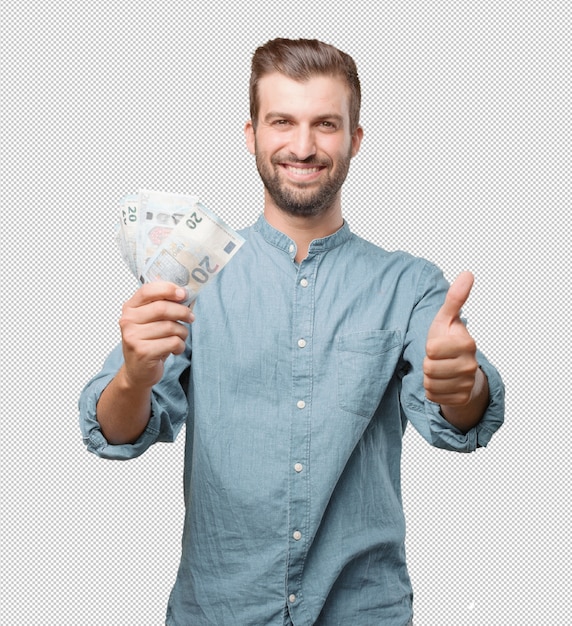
(303, 230)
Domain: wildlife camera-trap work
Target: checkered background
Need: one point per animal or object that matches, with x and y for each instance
(466, 161)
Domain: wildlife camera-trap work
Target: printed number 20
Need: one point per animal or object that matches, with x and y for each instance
(193, 220)
(200, 275)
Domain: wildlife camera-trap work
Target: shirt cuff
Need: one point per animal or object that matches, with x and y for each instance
(445, 435)
(94, 439)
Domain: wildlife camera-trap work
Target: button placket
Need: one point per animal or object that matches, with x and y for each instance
(302, 329)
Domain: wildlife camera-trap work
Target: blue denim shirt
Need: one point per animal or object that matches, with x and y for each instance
(302, 379)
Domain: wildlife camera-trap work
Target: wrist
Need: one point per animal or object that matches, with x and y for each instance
(128, 384)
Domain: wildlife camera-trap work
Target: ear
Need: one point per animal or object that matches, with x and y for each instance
(357, 137)
(249, 136)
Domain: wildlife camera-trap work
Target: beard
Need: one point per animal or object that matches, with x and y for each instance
(301, 200)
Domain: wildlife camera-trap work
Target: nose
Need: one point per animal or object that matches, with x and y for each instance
(303, 144)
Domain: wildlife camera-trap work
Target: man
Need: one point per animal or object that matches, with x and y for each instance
(296, 374)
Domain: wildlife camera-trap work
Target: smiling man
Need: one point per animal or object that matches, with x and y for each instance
(296, 375)
(303, 143)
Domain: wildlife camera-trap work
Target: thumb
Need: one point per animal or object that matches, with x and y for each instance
(455, 299)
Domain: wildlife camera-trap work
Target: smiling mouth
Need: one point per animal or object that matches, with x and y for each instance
(302, 171)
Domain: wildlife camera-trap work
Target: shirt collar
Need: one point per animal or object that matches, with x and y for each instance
(281, 241)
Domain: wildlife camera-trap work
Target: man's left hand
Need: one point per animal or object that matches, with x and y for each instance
(450, 365)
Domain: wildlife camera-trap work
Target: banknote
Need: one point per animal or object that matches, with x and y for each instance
(127, 234)
(196, 250)
(174, 237)
(159, 213)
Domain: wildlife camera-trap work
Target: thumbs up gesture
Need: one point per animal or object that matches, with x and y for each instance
(450, 367)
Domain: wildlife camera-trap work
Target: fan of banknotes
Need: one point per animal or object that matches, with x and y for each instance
(174, 237)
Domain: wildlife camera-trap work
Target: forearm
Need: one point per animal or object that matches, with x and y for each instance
(123, 410)
(469, 415)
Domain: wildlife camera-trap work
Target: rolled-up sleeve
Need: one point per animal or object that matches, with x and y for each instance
(169, 408)
(425, 415)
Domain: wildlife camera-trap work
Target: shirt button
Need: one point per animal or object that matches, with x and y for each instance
(301, 343)
(300, 404)
(304, 282)
(291, 248)
(298, 467)
(292, 598)
(297, 535)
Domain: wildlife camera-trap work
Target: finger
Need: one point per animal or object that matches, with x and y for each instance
(449, 391)
(160, 330)
(450, 369)
(451, 346)
(152, 350)
(159, 310)
(166, 346)
(153, 310)
(158, 290)
(456, 297)
(450, 399)
(439, 387)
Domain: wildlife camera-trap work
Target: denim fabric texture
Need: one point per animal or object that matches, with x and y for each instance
(296, 387)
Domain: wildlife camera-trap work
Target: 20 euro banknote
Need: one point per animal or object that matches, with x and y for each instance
(127, 235)
(194, 251)
(159, 213)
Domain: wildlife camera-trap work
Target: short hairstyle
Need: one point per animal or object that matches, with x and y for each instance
(299, 59)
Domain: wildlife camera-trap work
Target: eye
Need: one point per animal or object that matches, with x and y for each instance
(328, 125)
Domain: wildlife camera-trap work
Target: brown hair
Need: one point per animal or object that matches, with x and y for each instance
(300, 59)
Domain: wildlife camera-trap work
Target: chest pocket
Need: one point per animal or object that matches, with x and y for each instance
(366, 363)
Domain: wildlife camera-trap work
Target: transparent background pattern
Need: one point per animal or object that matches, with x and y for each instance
(466, 161)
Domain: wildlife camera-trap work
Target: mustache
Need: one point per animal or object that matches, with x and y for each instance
(293, 159)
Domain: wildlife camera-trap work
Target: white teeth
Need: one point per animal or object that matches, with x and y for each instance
(302, 170)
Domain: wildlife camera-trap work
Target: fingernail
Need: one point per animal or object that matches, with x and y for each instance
(180, 294)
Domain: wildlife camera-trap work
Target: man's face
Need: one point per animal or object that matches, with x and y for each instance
(302, 142)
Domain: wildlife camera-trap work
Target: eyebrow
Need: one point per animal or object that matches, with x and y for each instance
(328, 116)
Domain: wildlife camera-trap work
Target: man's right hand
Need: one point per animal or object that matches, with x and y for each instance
(151, 329)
